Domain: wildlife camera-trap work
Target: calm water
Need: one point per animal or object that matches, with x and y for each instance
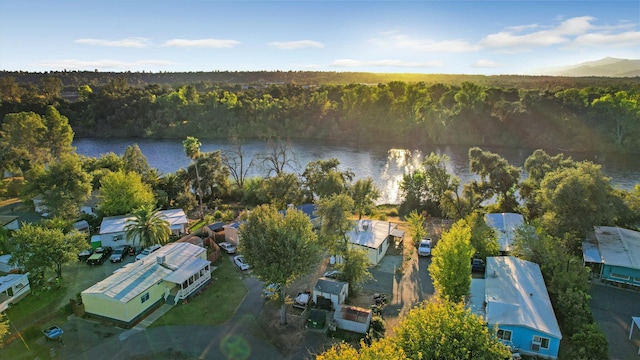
(386, 165)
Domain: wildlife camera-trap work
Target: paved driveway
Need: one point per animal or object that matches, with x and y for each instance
(612, 309)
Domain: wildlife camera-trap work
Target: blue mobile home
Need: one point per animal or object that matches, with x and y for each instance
(513, 300)
(613, 254)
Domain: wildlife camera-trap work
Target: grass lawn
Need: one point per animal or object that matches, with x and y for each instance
(213, 306)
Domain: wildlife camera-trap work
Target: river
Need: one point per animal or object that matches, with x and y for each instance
(384, 164)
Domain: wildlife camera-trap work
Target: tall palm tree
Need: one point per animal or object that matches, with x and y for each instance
(148, 227)
(192, 149)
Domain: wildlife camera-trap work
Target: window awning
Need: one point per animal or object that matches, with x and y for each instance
(397, 233)
(186, 271)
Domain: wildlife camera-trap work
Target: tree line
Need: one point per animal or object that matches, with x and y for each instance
(555, 115)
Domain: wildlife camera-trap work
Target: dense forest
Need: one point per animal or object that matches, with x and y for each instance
(580, 114)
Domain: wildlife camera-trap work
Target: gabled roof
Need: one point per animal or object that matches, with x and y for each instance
(133, 279)
(370, 233)
(515, 294)
(505, 225)
(329, 286)
(115, 224)
(617, 246)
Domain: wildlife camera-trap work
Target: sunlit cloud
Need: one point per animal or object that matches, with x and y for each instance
(400, 41)
(513, 38)
(300, 44)
(101, 64)
(625, 39)
(398, 63)
(484, 63)
(132, 42)
(201, 43)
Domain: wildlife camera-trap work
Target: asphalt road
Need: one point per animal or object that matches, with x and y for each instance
(612, 310)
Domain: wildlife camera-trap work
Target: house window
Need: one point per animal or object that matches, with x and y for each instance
(118, 237)
(542, 341)
(144, 297)
(619, 276)
(504, 335)
(635, 279)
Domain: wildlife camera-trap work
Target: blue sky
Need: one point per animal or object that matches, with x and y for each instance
(445, 37)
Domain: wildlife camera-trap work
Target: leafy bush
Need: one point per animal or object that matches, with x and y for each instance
(31, 333)
(589, 344)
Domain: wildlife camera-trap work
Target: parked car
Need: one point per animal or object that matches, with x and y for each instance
(227, 247)
(84, 254)
(100, 255)
(148, 251)
(477, 265)
(301, 300)
(424, 248)
(239, 261)
(119, 253)
(332, 274)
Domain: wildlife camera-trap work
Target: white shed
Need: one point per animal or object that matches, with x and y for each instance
(353, 318)
(336, 291)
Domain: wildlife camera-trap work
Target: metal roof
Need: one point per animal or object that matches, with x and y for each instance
(515, 294)
(115, 224)
(329, 286)
(133, 279)
(618, 246)
(505, 225)
(590, 252)
(186, 271)
(370, 233)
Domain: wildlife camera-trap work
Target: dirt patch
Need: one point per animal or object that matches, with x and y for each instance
(286, 338)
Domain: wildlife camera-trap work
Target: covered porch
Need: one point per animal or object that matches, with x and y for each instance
(188, 279)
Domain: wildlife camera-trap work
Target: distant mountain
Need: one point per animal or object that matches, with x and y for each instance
(609, 67)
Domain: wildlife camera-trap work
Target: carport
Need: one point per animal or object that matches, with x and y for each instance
(635, 321)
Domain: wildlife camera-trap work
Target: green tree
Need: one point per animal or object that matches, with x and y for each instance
(355, 268)
(334, 212)
(323, 178)
(574, 200)
(122, 192)
(59, 135)
(148, 227)
(133, 160)
(416, 226)
(24, 133)
(497, 177)
(483, 237)
(624, 111)
(282, 190)
(589, 343)
(64, 186)
(192, 150)
(442, 329)
(37, 249)
(450, 268)
(4, 329)
(84, 92)
(280, 248)
(364, 194)
(381, 349)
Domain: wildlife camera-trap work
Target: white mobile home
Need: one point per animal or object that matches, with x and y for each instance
(13, 288)
(374, 237)
(112, 228)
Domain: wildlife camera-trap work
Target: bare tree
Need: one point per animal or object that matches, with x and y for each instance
(278, 156)
(235, 160)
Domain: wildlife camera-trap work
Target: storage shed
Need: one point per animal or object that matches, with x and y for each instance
(335, 291)
(353, 318)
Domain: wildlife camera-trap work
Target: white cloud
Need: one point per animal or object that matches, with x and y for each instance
(484, 63)
(625, 39)
(405, 42)
(300, 44)
(514, 40)
(132, 42)
(386, 62)
(201, 43)
(72, 64)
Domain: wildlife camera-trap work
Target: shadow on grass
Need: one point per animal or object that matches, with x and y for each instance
(215, 304)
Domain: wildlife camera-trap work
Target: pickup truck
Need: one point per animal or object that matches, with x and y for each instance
(99, 255)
